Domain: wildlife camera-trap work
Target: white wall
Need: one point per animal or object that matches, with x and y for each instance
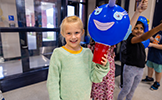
(148, 13)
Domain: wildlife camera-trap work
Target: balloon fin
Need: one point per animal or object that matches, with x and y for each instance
(128, 32)
(112, 3)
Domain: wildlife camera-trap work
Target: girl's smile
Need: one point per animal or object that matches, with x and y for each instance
(73, 41)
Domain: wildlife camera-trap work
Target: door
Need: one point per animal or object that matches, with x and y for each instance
(157, 13)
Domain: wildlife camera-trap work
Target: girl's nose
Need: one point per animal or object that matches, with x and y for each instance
(139, 30)
(73, 36)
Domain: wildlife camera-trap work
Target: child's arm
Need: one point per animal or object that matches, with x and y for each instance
(142, 6)
(157, 46)
(147, 35)
(53, 85)
(99, 71)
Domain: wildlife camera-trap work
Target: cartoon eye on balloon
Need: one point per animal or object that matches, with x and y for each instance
(98, 11)
(118, 16)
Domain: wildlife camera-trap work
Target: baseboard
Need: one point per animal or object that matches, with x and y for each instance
(24, 79)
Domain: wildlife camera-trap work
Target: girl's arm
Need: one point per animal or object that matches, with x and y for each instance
(157, 46)
(147, 35)
(53, 79)
(142, 6)
(98, 71)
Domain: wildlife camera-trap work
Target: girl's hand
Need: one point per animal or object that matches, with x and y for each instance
(151, 39)
(151, 44)
(142, 6)
(104, 60)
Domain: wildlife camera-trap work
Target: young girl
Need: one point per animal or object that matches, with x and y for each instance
(135, 62)
(71, 70)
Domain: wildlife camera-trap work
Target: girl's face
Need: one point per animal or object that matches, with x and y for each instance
(72, 34)
(138, 30)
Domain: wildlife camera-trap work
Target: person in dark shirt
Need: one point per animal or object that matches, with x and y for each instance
(135, 62)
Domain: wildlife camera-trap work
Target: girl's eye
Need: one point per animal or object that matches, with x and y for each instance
(136, 28)
(118, 16)
(68, 33)
(98, 11)
(76, 32)
(142, 29)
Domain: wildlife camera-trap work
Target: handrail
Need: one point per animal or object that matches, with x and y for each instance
(27, 29)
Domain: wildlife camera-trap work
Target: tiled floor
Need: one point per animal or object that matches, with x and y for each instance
(39, 91)
(32, 92)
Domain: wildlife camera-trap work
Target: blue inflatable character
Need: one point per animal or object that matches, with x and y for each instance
(108, 24)
(145, 22)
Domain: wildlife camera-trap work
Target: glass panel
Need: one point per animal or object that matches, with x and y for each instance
(71, 10)
(11, 67)
(38, 61)
(10, 54)
(47, 13)
(32, 40)
(36, 57)
(29, 12)
(49, 36)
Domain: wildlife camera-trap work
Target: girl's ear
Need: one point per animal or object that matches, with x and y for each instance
(62, 33)
(83, 32)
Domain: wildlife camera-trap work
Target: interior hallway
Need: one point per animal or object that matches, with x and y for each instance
(39, 91)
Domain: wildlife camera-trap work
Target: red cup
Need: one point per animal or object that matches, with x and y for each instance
(100, 50)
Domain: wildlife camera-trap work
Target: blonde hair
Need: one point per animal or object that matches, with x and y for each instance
(71, 19)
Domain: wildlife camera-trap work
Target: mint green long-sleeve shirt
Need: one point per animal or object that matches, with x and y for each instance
(71, 75)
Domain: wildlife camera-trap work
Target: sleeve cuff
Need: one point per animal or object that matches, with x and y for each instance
(106, 67)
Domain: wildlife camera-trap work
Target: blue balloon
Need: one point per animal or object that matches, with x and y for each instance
(145, 22)
(108, 25)
(146, 43)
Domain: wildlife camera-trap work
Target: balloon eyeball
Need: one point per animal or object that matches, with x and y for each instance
(98, 11)
(118, 16)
